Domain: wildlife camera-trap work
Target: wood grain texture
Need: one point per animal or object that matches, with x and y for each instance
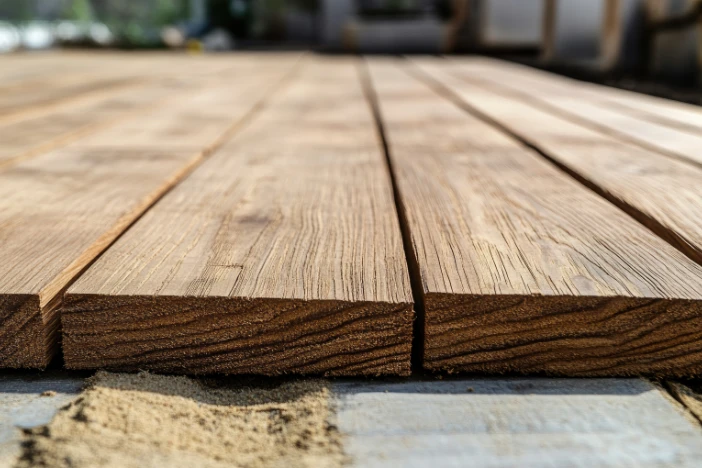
(282, 253)
(26, 137)
(13, 102)
(661, 192)
(523, 269)
(659, 131)
(530, 423)
(642, 106)
(60, 210)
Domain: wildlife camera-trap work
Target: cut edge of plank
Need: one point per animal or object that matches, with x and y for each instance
(413, 270)
(464, 334)
(26, 324)
(235, 335)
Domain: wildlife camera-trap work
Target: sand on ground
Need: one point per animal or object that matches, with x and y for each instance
(145, 420)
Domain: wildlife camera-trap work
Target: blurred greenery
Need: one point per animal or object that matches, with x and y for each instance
(79, 10)
(138, 23)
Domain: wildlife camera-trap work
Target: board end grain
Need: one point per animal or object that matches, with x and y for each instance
(563, 335)
(204, 335)
(28, 333)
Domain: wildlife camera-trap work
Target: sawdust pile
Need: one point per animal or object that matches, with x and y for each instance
(144, 420)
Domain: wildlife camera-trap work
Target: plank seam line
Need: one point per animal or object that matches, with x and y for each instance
(417, 351)
(38, 109)
(89, 129)
(57, 301)
(548, 108)
(656, 227)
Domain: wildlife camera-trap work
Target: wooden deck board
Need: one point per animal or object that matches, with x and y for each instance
(523, 269)
(656, 109)
(663, 193)
(281, 254)
(60, 210)
(35, 134)
(592, 106)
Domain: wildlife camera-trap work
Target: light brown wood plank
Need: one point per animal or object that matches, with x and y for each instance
(23, 138)
(663, 193)
(595, 107)
(60, 210)
(281, 254)
(523, 269)
(659, 110)
(13, 102)
(655, 109)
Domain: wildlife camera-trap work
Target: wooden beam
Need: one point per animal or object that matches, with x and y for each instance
(60, 210)
(281, 254)
(523, 269)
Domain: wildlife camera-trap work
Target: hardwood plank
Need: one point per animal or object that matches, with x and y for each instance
(661, 192)
(60, 210)
(581, 104)
(81, 77)
(655, 109)
(523, 269)
(12, 102)
(23, 138)
(48, 128)
(514, 422)
(278, 255)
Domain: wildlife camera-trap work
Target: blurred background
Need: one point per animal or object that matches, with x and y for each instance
(648, 39)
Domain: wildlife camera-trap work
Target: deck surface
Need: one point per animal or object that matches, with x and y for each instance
(268, 213)
(287, 213)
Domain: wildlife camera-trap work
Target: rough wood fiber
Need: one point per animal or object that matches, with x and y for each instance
(591, 106)
(662, 192)
(60, 210)
(522, 268)
(282, 253)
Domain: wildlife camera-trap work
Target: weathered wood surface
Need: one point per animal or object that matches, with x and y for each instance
(514, 422)
(282, 253)
(663, 193)
(43, 128)
(655, 130)
(60, 210)
(654, 109)
(522, 268)
(14, 101)
(35, 134)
